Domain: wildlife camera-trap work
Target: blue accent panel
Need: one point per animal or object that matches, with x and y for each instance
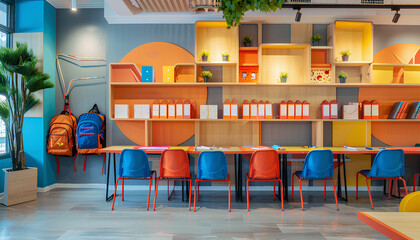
(4, 163)
(49, 94)
(29, 16)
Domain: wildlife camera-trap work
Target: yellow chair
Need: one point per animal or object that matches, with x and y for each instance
(411, 203)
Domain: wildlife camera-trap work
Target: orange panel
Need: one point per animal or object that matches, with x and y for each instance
(393, 133)
(248, 56)
(319, 56)
(158, 54)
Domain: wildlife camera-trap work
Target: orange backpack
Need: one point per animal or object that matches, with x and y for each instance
(61, 135)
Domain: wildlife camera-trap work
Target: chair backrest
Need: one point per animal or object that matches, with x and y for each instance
(318, 164)
(388, 163)
(212, 165)
(410, 203)
(134, 164)
(264, 164)
(174, 163)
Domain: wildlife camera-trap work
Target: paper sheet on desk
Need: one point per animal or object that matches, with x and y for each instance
(157, 148)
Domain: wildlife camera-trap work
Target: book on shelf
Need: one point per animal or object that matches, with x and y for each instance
(413, 110)
(395, 110)
(402, 110)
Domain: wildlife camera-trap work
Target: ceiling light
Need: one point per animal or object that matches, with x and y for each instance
(298, 15)
(396, 17)
(73, 5)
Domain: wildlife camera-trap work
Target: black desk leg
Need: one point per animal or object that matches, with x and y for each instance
(108, 198)
(240, 177)
(285, 179)
(182, 190)
(339, 176)
(115, 170)
(345, 177)
(236, 177)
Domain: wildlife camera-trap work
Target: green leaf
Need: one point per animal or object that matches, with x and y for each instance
(4, 111)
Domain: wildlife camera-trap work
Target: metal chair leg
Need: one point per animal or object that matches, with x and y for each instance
(370, 196)
(115, 193)
(301, 196)
(156, 188)
(335, 194)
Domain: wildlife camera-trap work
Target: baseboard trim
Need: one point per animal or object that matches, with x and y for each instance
(212, 188)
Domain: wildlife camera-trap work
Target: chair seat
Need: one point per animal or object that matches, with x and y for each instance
(366, 172)
(299, 174)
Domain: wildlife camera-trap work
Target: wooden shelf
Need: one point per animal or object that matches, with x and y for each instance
(395, 65)
(216, 84)
(352, 63)
(248, 65)
(249, 48)
(321, 65)
(322, 47)
(229, 63)
(266, 120)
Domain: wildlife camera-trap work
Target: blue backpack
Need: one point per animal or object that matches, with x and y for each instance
(90, 132)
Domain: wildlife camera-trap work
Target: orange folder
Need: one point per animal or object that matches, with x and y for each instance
(298, 110)
(179, 108)
(253, 109)
(325, 109)
(375, 109)
(171, 109)
(290, 110)
(156, 109)
(226, 109)
(268, 110)
(305, 110)
(366, 109)
(261, 109)
(187, 109)
(334, 109)
(283, 110)
(245, 110)
(163, 109)
(234, 109)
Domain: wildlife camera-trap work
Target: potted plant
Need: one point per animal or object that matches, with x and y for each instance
(342, 76)
(206, 75)
(247, 41)
(345, 55)
(19, 80)
(283, 77)
(315, 39)
(204, 55)
(225, 56)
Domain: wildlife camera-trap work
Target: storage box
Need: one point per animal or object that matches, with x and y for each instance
(253, 109)
(375, 109)
(141, 111)
(179, 109)
(163, 109)
(156, 109)
(351, 111)
(171, 109)
(334, 109)
(325, 109)
(298, 110)
(204, 111)
(121, 111)
(187, 109)
(234, 109)
(226, 109)
(212, 111)
(261, 110)
(168, 74)
(147, 74)
(290, 110)
(245, 109)
(268, 110)
(305, 110)
(283, 110)
(366, 110)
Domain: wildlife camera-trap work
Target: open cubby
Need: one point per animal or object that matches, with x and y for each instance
(291, 58)
(124, 72)
(248, 64)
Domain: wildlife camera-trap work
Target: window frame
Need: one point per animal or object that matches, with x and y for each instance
(9, 30)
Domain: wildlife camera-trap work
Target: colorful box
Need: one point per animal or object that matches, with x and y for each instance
(147, 74)
(204, 111)
(212, 111)
(141, 111)
(168, 74)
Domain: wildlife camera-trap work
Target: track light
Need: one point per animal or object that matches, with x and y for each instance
(298, 15)
(73, 5)
(396, 17)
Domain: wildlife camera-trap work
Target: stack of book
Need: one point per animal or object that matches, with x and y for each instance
(401, 109)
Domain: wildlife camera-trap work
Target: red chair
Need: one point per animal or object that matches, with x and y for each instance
(174, 166)
(264, 166)
(414, 185)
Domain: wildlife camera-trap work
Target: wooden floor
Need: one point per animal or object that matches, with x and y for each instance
(83, 214)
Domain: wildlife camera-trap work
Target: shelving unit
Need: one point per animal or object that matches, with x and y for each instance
(268, 60)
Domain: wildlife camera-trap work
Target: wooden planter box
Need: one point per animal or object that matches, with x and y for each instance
(20, 186)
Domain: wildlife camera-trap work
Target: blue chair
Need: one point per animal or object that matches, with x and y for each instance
(387, 165)
(318, 165)
(134, 165)
(211, 167)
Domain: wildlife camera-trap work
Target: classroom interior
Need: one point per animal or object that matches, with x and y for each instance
(164, 122)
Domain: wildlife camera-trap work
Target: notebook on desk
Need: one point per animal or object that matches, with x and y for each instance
(152, 148)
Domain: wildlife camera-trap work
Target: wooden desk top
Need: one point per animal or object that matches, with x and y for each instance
(250, 150)
(395, 225)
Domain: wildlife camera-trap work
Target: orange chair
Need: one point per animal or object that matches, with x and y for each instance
(414, 185)
(174, 166)
(264, 166)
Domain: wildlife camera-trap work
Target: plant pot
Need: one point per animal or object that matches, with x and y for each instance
(315, 43)
(248, 44)
(206, 79)
(283, 79)
(345, 58)
(19, 186)
(342, 80)
(225, 58)
(204, 58)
